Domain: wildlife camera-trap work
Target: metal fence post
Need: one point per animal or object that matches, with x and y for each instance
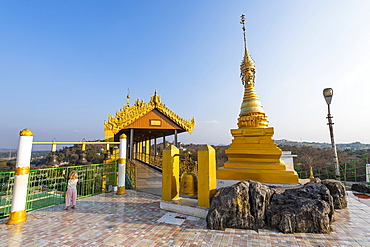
(22, 171)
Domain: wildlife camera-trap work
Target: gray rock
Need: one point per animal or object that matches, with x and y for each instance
(364, 188)
(252, 205)
(259, 198)
(308, 208)
(232, 206)
(337, 191)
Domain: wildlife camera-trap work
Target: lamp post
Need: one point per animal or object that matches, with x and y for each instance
(328, 94)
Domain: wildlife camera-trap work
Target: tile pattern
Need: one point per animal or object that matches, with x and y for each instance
(148, 179)
(134, 219)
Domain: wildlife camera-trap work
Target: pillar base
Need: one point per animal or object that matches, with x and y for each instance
(17, 217)
(121, 190)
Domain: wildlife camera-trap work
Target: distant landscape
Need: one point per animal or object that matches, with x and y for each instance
(324, 145)
(309, 154)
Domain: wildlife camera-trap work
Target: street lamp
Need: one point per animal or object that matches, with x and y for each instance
(328, 94)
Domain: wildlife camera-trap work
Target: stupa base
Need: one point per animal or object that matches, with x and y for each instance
(263, 176)
(253, 155)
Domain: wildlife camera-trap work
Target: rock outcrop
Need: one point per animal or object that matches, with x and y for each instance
(337, 191)
(364, 188)
(252, 205)
(232, 206)
(305, 209)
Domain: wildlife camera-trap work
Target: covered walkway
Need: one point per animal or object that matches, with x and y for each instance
(135, 219)
(148, 179)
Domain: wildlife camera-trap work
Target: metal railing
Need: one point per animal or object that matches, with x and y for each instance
(131, 175)
(155, 160)
(48, 186)
(6, 192)
(350, 171)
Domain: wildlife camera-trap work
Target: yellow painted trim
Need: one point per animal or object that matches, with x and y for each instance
(54, 142)
(123, 136)
(121, 190)
(122, 161)
(17, 217)
(22, 170)
(26, 132)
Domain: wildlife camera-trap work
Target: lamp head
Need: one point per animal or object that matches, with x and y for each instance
(328, 94)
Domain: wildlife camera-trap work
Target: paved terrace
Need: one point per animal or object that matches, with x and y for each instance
(135, 219)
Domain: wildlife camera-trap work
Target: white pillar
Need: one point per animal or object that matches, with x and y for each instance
(22, 171)
(122, 165)
(367, 173)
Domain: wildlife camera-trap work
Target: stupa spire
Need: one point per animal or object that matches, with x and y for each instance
(247, 67)
(251, 112)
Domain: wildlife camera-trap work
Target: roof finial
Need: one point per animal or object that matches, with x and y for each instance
(128, 97)
(156, 99)
(247, 68)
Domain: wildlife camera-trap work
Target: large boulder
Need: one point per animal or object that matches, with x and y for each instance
(337, 191)
(308, 208)
(364, 188)
(239, 206)
(252, 205)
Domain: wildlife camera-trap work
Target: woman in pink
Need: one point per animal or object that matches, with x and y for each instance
(71, 190)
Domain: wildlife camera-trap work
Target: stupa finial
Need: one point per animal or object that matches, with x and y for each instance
(247, 67)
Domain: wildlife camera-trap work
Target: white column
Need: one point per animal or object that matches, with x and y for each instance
(22, 171)
(367, 173)
(122, 165)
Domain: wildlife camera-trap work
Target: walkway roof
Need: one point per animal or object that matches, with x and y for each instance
(149, 120)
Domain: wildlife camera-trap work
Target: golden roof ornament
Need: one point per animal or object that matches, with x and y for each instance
(128, 97)
(130, 114)
(251, 112)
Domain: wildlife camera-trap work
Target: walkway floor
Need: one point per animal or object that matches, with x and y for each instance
(148, 179)
(134, 219)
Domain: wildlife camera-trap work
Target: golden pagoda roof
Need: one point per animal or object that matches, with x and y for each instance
(129, 114)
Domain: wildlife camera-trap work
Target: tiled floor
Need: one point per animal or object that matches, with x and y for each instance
(134, 219)
(148, 179)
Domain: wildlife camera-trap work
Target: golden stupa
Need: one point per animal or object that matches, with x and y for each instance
(252, 154)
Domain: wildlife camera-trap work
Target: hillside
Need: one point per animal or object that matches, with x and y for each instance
(324, 145)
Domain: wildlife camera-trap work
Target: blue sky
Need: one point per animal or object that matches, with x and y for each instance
(64, 65)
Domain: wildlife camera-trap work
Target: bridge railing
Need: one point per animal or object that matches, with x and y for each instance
(6, 192)
(48, 186)
(357, 170)
(155, 160)
(131, 175)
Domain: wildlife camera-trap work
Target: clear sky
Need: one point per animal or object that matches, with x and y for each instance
(64, 65)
